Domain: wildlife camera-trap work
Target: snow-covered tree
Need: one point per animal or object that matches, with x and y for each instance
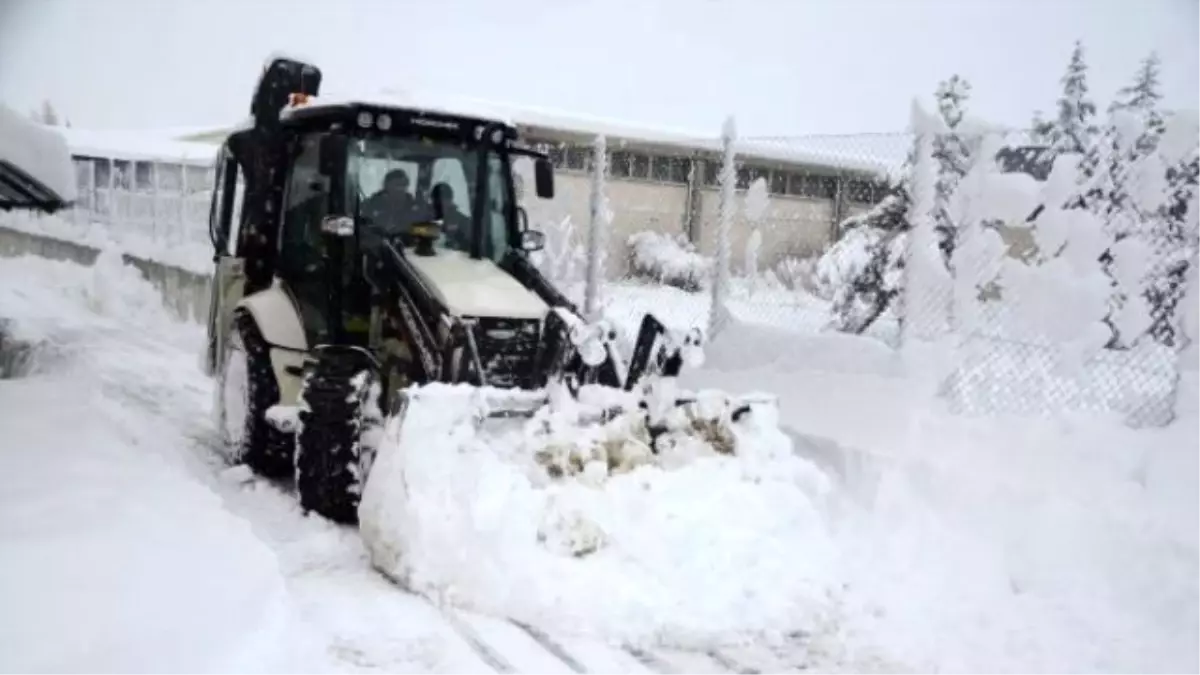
(1073, 128)
(951, 152)
(1124, 167)
(1142, 97)
(861, 271)
(1167, 183)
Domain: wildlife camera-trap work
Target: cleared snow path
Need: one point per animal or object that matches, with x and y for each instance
(120, 500)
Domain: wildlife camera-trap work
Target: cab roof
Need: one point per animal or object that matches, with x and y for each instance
(390, 118)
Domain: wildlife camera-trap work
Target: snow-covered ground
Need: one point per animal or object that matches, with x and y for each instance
(936, 543)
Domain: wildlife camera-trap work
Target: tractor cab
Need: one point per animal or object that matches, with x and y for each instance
(366, 183)
(334, 190)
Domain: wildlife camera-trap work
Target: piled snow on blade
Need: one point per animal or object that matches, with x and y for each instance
(567, 520)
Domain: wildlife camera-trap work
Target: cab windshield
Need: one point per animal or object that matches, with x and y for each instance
(393, 183)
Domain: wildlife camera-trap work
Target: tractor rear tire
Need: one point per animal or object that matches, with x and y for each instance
(329, 455)
(246, 388)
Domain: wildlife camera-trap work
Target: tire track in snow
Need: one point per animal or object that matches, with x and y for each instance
(482, 649)
(551, 646)
(730, 664)
(649, 659)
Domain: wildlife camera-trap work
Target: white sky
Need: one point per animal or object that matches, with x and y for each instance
(784, 67)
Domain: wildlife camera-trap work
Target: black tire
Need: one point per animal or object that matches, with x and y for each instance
(262, 447)
(329, 457)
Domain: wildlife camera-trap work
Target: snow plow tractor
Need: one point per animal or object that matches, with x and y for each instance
(366, 251)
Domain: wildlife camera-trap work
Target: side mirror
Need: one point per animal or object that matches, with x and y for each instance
(543, 175)
(332, 155)
(532, 240)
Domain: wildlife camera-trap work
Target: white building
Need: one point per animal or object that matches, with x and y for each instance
(135, 179)
(659, 180)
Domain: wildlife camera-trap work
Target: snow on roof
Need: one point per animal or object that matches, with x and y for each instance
(847, 153)
(38, 151)
(136, 145)
(870, 153)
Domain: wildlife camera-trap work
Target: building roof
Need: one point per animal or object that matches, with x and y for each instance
(136, 145)
(867, 154)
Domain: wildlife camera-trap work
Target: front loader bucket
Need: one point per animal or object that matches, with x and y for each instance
(448, 447)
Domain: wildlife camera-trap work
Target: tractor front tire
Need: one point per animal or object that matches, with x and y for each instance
(334, 412)
(246, 388)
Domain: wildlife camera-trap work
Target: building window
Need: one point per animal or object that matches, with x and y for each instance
(669, 170)
(639, 166)
(579, 158)
(122, 174)
(103, 172)
(779, 182)
(144, 176)
(618, 164)
(812, 186)
(748, 174)
(557, 154)
(860, 191)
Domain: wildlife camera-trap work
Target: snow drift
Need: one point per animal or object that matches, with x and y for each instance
(693, 547)
(116, 555)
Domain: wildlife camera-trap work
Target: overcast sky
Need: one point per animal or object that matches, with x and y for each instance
(784, 67)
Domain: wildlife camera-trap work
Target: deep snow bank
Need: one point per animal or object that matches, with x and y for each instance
(997, 544)
(116, 556)
(697, 548)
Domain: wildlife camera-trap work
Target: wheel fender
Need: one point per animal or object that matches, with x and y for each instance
(279, 322)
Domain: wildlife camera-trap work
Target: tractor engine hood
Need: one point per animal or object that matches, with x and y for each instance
(478, 288)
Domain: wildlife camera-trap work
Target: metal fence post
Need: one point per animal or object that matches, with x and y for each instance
(719, 313)
(597, 239)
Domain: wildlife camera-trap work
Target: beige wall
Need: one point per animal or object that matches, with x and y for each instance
(636, 206)
(791, 227)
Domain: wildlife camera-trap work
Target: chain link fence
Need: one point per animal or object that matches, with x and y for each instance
(1044, 281)
(1041, 281)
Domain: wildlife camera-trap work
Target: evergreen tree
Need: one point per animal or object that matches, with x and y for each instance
(952, 151)
(1073, 129)
(1175, 239)
(1130, 139)
(1143, 97)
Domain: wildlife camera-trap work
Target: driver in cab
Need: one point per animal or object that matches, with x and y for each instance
(392, 210)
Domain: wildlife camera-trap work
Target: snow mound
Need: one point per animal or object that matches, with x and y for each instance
(118, 557)
(695, 547)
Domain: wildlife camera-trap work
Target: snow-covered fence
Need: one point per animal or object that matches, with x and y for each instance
(1067, 271)
(1041, 281)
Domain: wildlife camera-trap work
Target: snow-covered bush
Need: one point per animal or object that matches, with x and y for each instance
(798, 274)
(860, 272)
(670, 260)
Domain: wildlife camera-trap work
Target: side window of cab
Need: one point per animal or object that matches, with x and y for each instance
(225, 211)
(306, 201)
